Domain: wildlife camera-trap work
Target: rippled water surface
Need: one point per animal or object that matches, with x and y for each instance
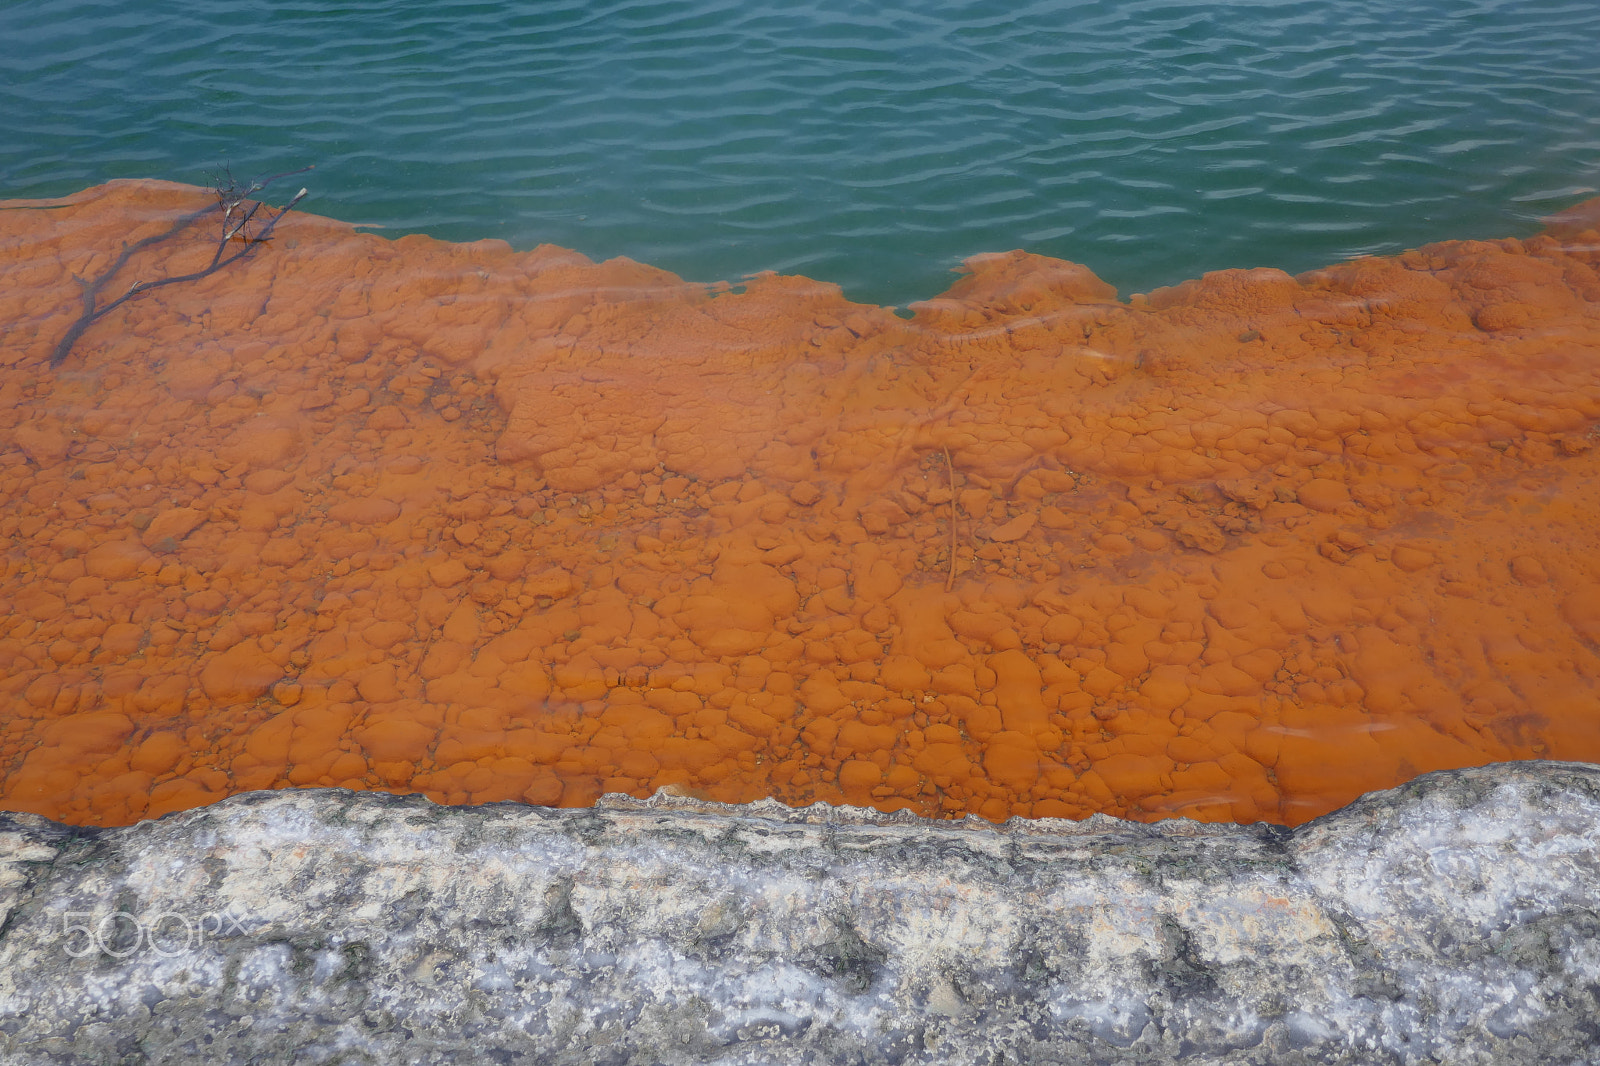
(869, 144)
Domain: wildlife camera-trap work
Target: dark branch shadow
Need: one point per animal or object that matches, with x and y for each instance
(238, 215)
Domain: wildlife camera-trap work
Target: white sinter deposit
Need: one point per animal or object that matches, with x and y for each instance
(1453, 920)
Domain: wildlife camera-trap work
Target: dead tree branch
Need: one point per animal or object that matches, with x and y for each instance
(238, 212)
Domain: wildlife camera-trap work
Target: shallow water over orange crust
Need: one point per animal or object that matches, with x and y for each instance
(416, 516)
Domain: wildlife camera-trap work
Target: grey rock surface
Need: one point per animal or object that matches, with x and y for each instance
(1453, 920)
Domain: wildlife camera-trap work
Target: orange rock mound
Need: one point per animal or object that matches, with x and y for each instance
(492, 525)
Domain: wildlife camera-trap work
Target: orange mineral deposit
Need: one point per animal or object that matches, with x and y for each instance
(492, 525)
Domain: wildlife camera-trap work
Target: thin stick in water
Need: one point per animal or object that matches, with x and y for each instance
(230, 199)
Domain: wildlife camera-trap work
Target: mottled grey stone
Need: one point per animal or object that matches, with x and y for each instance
(1454, 920)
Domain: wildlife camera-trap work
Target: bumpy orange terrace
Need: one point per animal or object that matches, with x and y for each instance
(488, 525)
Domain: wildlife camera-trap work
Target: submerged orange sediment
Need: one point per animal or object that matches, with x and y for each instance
(492, 525)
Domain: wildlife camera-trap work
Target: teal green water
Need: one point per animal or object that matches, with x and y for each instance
(870, 144)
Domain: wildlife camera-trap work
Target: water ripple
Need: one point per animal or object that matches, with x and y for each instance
(868, 144)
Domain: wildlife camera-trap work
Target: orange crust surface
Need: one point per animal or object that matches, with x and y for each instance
(489, 525)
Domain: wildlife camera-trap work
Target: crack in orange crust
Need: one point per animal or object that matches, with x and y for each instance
(491, 525)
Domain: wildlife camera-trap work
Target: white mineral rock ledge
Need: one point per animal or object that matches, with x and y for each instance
(1453, 920)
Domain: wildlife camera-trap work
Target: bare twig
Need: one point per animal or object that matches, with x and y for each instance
(236, 218)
